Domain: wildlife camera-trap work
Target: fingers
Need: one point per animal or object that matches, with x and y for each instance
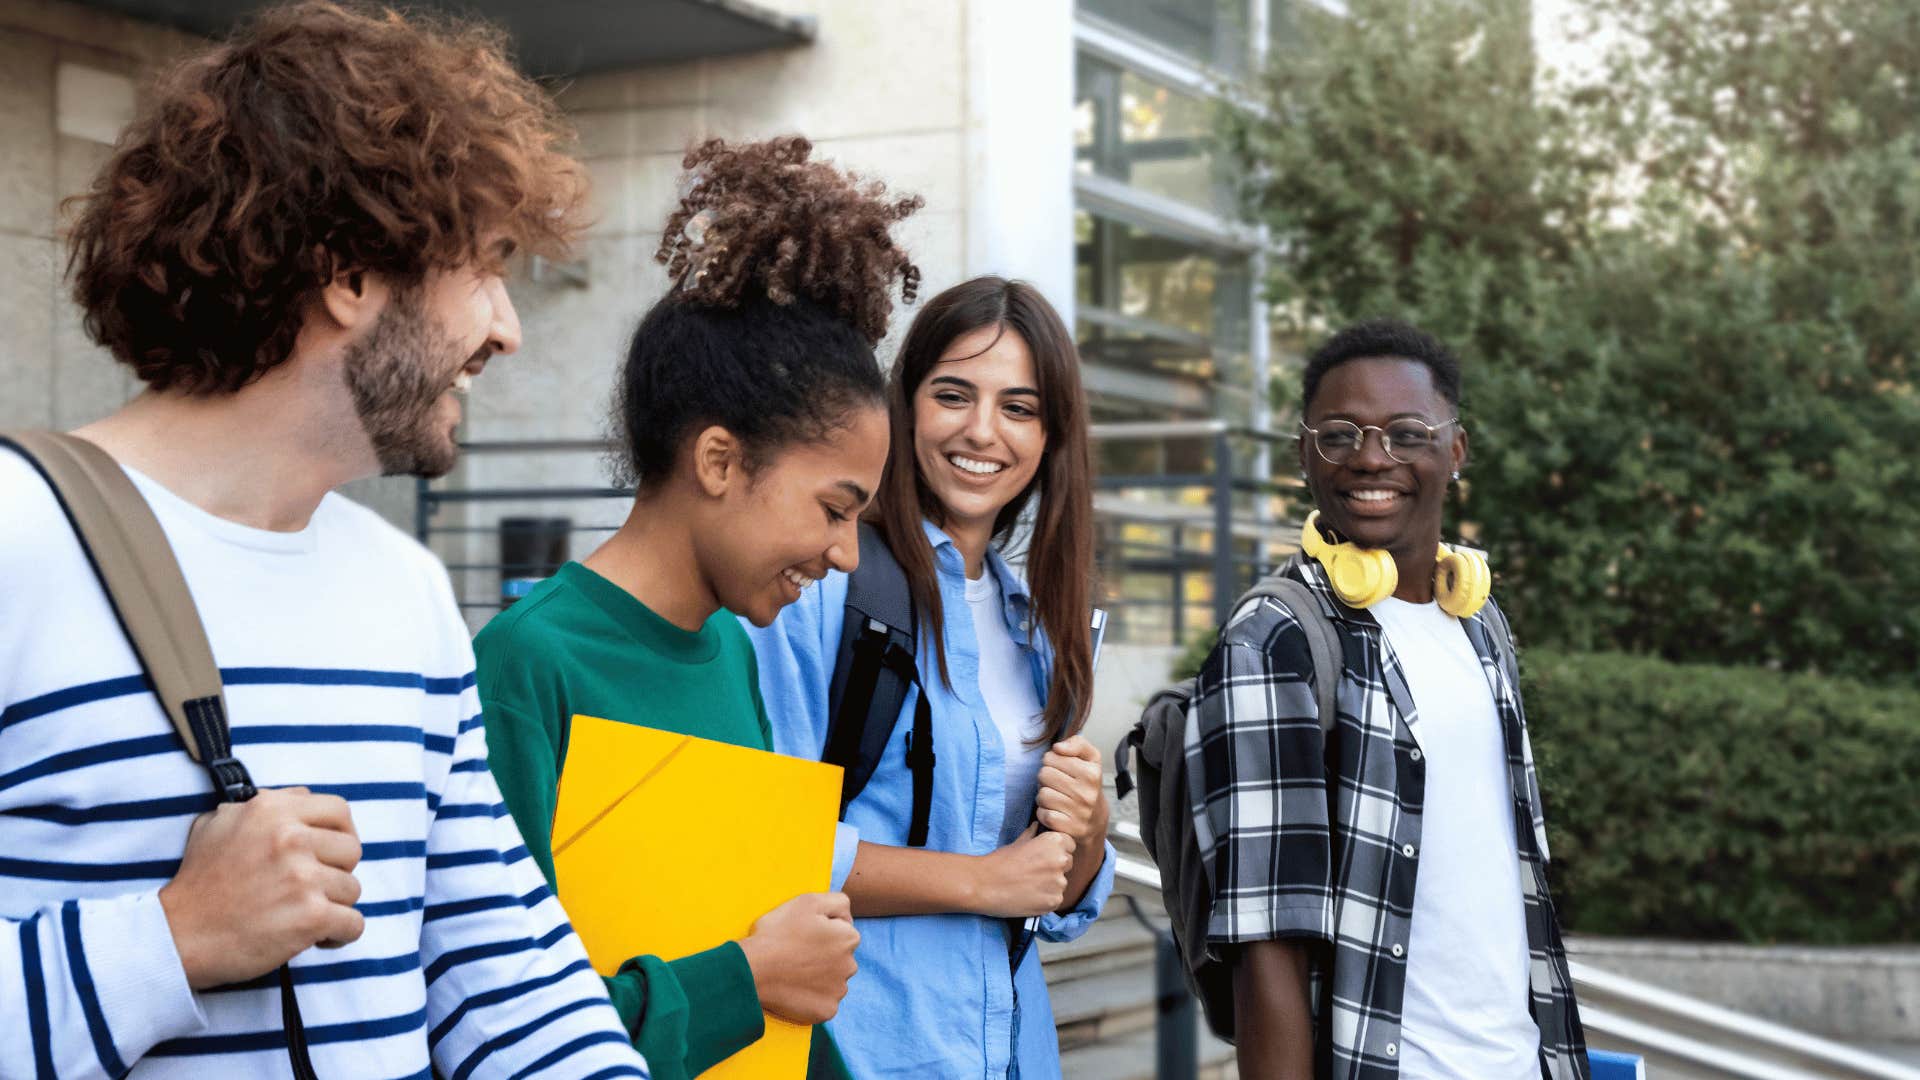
(836, 905)
(1068, 769)
(1078, 747)
(336, 849)
(319, 811)
(340, 887)
(1032, 831)
(341, 925)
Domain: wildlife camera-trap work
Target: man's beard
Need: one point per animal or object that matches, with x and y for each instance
(396, 375)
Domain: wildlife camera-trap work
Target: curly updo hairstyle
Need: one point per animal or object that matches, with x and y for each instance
(321, 137)
(783, 272)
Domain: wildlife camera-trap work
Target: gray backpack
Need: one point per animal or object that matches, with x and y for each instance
(1157, 743)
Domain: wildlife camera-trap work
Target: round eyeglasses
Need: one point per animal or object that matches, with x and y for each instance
(1406, 440)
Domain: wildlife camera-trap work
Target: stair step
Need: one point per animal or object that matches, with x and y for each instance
(1109, 944)
(1131, 1057)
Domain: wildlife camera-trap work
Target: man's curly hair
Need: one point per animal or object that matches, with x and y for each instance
(322, 137)
(761, 218)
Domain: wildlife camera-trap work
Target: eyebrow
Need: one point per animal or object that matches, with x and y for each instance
(957, 381)
(860, 494)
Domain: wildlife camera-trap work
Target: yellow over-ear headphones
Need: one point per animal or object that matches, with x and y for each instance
(1362, 577)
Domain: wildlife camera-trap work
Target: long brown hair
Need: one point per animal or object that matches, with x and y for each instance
(1060, 557)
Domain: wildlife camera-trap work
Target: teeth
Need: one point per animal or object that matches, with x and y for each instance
(800, 580)
(1373, 496)
(978, 468)
(463, 382)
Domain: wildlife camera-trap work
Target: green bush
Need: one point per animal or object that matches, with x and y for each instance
(1727, 803)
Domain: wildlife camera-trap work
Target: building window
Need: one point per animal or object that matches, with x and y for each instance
(1152, 137)
(1155, 305)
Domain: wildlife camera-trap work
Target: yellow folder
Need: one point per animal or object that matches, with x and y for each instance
(667, 844)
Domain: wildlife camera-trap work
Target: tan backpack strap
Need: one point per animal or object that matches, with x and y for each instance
(136, 568)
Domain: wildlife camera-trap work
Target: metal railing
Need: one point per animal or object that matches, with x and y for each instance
(1226, 538)
(1672, 1031)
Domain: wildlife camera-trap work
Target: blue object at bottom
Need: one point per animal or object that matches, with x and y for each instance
(1611, 1066)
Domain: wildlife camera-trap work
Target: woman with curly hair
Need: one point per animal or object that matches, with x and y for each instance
(755, 425)
(950, 886)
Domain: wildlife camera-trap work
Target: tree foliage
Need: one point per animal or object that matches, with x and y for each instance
(1686, 293)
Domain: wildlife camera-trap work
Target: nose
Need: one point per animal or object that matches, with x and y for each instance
(844, 553)
(1372, 455)
(980, 424)
(503, 334)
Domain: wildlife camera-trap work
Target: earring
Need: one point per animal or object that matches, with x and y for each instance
(1456, 476)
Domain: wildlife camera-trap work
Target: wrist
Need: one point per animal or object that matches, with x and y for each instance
(172, 909)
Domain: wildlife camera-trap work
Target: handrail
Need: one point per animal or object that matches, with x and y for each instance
(1665, 1023)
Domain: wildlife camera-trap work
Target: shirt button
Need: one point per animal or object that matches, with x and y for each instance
(1416, 754)
(1393, 1049)
(1407, 850)
(1399, 951)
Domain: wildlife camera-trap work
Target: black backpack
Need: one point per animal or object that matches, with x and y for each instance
(873, 672)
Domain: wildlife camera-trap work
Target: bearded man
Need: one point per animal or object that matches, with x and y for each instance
(298, 247)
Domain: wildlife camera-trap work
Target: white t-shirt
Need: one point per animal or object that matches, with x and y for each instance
(348, 670)
(1006, 685)
(1465, 1012)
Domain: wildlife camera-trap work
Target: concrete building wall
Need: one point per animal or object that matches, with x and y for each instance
(69, 77)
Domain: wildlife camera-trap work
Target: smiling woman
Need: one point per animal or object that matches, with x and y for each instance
(988, 424)
(753, 413)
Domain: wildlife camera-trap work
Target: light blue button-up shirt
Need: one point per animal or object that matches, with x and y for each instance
(935, 996)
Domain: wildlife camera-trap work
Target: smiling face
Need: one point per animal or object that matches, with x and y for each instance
(1375, 501)
(776, 531)
(978, 436)
(407, 374)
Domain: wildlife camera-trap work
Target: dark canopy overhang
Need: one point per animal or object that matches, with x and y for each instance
(557, 37)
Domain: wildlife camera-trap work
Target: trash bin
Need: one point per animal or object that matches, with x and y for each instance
(532, 549)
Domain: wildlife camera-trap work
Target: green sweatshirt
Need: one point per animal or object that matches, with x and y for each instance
(580, 645)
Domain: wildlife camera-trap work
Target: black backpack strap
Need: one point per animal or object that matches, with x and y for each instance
(874, 671)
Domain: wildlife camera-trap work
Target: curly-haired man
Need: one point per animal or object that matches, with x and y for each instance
(298, 248)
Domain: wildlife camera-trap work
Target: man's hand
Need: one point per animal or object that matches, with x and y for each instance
(262, 881)
(1027, 877)
(1071, 798)
(801, 954)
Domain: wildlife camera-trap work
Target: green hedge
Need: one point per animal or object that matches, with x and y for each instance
(1727, 803)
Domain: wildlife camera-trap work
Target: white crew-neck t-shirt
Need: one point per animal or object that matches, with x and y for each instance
(1465, 1012)
(1006, 685)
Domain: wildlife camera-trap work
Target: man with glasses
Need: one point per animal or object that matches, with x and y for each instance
(1380, 892)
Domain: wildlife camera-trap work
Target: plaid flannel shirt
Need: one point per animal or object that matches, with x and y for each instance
(1258, 776)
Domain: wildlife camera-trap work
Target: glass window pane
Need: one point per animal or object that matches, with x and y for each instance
(1148, 135)
(1206, 31)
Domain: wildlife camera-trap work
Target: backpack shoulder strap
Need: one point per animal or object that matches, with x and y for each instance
(130, 555)
(873, 672)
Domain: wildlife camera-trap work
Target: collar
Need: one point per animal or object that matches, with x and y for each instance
(948, 561)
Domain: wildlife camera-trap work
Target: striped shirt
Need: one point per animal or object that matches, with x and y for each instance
(348, 670)
(1282, 867)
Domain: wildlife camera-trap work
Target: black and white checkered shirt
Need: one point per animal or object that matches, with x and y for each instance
(1258, 774)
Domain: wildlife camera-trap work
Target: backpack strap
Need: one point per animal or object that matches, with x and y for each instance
(875, 669)
(129, 553)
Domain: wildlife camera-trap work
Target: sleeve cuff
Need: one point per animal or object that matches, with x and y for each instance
(846, 845)
(1057, 927)
(137, 973)
(1271, 921)
(723, 1008)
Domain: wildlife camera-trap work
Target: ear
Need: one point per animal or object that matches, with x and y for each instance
(719, 461)
(1459, 452)
(353, 299)
(1303, 447)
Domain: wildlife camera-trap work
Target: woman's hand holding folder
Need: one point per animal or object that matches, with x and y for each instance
(801, 954)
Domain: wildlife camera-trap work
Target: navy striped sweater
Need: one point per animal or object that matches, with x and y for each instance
(348, 670)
